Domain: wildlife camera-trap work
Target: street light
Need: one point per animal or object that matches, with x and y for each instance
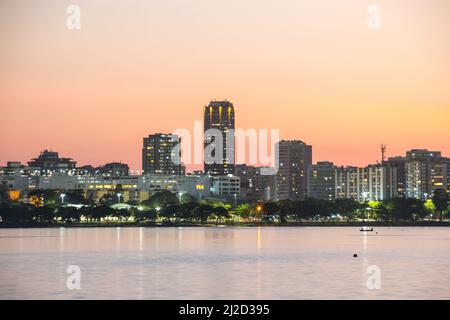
(118, 197)
(180, 194)
(62, 195)
(235, 200)
(365, 195)
(258, 210)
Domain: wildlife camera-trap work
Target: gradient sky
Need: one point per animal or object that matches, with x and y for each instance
(309, 68)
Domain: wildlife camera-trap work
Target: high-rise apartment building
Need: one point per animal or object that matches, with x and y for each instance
(426, 171)
(157, 155)
(322, 181)
(399, 164)
(346, 183)
(219, 115)
(294, 157)
(374, 182)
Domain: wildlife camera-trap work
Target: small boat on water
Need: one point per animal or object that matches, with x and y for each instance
(366, 229)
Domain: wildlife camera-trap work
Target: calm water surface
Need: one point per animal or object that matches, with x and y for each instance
(225, 263)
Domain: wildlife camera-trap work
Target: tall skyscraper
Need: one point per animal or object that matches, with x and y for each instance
(295, 157)
(219, 115)
(157, 155)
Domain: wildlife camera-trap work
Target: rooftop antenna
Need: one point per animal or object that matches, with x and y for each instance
(383, 153)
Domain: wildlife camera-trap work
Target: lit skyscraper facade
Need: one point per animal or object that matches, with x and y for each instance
(157, 155)
(295, 157)
(219, 115)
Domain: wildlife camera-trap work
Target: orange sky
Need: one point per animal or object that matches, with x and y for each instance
(309, 68)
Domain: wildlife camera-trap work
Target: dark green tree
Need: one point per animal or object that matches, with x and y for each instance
(187, 210)
(203, 211)
(285, 209)
(122, 214)
(69, 214)
(271, 209)
(220, 213)
(146, 215)
(16, 214)
(170, 211)
(75, 196)
(161, 199)
(45, 214)
(440, 201)
(99, 212)
(345, 208)
(4, 197)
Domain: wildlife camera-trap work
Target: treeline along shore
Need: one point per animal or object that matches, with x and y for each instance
(46, 208)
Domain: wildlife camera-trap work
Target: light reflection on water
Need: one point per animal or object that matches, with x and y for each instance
(225, 263)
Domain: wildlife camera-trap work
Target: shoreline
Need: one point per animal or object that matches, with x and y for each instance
(222, 225)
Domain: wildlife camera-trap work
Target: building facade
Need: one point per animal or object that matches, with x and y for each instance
(425, 171)
(254, 185)
(294, 159)
(346, 185)
(50, 161)
(157, 155)
(372, 183)
(225, 186)
(219, 158)
(322, 181)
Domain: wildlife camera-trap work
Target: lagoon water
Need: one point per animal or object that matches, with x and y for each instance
(226, 263)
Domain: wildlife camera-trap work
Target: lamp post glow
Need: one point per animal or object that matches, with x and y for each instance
(118, 197)
(180, 194)
(258, 210)
(365, 196)
(62, 195)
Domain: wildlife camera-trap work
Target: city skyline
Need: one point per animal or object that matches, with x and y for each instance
(225, 155)
(328, 81)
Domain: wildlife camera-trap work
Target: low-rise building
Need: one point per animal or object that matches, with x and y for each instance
(225, 186)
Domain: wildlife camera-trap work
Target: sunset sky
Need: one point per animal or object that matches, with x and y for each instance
(311, 69)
